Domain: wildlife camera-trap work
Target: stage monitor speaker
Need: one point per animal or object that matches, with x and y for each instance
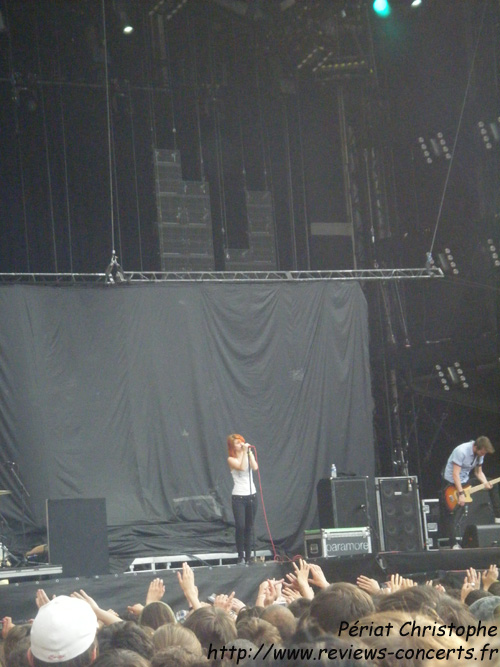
(481, 536)
(343, 502)
(78, 536)
(399, 514)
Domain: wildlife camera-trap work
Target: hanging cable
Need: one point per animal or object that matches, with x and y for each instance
(108, 115)
(65, 159)
(240, 125)
(114, 162)
(218, 141)
(192, 46)
(169, 87)
(303, 174)
(266, 151)
(47, 154)
(148, 50)
(136, 182)
(114, 272)
(259, 105)
(451, 162)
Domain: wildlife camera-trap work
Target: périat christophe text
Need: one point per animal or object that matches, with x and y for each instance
(356, 630)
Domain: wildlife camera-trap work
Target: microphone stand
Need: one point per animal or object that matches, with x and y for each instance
(251, 505)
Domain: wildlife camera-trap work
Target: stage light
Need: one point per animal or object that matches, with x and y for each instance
(442, 378)
(416, 3)
(447, 262)
(114, 272)
(489, 133)
(382, 7)
(494, 252)
(457, 375)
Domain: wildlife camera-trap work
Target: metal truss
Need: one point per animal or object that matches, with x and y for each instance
(220, 276)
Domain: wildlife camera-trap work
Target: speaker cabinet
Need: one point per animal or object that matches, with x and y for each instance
(399, 514)
(342, 502)
(481, 536)
(78, 536)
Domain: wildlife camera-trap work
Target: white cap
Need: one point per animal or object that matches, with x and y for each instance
(63, 629)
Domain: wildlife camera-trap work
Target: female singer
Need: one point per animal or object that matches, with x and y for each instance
(241, 462)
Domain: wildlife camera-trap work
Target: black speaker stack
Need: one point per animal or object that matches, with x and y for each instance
(78, 536)
(343, 502)
(399, 514)
(481, 536)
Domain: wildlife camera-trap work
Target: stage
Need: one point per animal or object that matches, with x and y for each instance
(117, 591)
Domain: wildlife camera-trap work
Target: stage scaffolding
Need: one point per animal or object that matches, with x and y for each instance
(134, 277)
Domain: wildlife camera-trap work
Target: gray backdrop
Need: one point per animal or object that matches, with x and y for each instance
(128, 393)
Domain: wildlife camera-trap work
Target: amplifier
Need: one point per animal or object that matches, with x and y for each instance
(337, 542)
(431, 514)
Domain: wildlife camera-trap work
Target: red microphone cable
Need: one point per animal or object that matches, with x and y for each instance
(275, 555)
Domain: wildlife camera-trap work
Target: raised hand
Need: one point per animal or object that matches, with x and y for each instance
(290, 594)
(105, 617)
(395, 582)
(135, 609)
(41, 598)
(438, 587)
(317, 576)
(467, 587)
(473, 577)
(371, 586)
(156, 591)
(237, 605)
(489, 576)
(224, 601)
(189, 588)
(302, 574)
(7, 626)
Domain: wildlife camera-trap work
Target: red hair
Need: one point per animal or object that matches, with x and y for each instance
(230, 443)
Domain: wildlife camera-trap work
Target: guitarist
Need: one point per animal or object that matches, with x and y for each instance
(464, 459)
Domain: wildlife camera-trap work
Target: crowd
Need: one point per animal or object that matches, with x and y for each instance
(299, 620)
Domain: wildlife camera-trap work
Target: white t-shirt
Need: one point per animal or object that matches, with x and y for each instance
(243, 481)
(464, 456)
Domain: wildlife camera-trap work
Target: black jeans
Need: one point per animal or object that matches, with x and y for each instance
(244, 510)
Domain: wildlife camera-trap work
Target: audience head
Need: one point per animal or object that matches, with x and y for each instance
(299, 606)
(486, 609)
(16, 634)
(258, 631)
(174, 656)
(339, 602)
(177, 635)
(476, 594)
(121, 657)
(282, 618)
(64, 631)
(249, 612)
(212, 625)
(156, 614)
(494, 588)
(126, 635)
(18, 655)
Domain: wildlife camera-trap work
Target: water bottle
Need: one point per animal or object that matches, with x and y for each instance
(333, 471)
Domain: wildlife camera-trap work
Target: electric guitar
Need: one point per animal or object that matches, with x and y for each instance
(451, 495)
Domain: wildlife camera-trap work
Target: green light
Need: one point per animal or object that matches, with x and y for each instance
(382, 7)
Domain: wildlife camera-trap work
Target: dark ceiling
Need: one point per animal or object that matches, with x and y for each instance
(248, 91)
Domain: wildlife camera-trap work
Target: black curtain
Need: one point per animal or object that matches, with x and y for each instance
(129, 392)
